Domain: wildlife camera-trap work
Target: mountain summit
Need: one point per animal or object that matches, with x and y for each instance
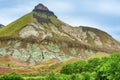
(42, 13)
(41, 7)
(39, 36)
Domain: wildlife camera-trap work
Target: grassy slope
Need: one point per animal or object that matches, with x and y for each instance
(103, 35)
(5, 61)
(15, 26)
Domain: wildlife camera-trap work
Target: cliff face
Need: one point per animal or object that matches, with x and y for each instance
(40, 36)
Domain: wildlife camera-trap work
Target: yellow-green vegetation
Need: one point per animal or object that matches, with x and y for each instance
(42, 15)
(56, 36)
(6, 61)
(90, 40)
(56, 22)
(12, 76)
(14, 27)
(99, 55)
(65, 62)
(46, 26)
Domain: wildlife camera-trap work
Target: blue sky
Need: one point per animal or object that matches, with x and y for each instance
(101, 14)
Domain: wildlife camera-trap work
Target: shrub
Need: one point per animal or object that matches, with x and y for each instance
(68, 69)
(77, 77)
(12, 76)
(77, 67)
(51, 76)
(92, 64)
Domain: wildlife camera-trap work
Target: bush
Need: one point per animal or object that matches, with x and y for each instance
(110, 69)
(51, 76)
(92, 64)
(77, 77)
(77, 67)
(12, 76)
(107, 68)
(68, 69)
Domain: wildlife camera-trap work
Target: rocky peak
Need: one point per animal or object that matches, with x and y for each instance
(41, 7)
(41, 10)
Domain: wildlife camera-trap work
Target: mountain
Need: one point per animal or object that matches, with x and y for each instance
(1, 25)
(40, 38)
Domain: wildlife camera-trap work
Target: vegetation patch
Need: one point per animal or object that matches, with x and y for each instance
(96, 69)
(13, 28)
(53, 47)
(73, 51)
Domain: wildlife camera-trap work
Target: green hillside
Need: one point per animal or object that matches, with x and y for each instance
(14, 27)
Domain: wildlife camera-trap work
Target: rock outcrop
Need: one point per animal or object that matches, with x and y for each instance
(41, 7)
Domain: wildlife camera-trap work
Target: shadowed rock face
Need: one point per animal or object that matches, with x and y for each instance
(41, 20)
(39, 10)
